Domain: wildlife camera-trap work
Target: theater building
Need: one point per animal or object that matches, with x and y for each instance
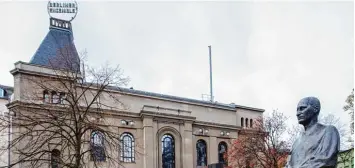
(197, 132)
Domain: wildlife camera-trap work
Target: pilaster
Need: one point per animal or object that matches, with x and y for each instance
(213, 149)
(188, 146)
(148, 142)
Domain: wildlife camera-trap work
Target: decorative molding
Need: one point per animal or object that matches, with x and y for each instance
(154, 114)
(158, 108)
(60, 107)
(168, 121)
(215, 125)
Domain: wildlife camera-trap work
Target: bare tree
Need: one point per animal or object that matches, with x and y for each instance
(65, 119)
(349, 107)
(262, 145)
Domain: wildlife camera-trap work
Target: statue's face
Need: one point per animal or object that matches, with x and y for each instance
(305, 112)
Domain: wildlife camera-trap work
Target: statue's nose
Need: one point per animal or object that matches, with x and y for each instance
(298, 113)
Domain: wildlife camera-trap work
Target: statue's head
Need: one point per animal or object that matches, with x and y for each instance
(307, 110)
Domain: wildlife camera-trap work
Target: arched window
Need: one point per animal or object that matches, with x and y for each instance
(97, 146)
(242, 122)
(62, 98)
(222, 150)
(55, 158)
(201, 150)
(46, 97)
(168, 151)
(246, 122)
(251, 123)
(55, 97)
(127, 147)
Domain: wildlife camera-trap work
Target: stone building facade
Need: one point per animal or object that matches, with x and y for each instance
(5, 93)
(175, 131)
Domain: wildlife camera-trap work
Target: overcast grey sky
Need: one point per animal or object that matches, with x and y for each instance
(265, 54)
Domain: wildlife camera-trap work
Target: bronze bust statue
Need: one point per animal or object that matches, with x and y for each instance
(318, 146)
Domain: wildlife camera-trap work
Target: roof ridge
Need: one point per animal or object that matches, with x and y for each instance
(179, 98)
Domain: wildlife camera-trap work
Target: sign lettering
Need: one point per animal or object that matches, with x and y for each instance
(64, 10)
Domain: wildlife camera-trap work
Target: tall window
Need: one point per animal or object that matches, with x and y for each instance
(55, 158)
(168, 151)
(222, 150)
(2, 92)
(127, 147)
(246, 122)
(46, 97)
(201, 150)
(97, 146)
(55, 97)
(61, 98)
(251, 123)
(242, 122)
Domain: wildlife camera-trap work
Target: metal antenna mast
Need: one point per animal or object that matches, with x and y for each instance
(210, 54)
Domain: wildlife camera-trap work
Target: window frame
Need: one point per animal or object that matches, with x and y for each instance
(55, 97)
(2, 92)
(127, 156)
(226, 150)
(46, 97)
(242, 122)
(198, 162)
(62, 97)
(55, 159)
(97, 147)
(163, 140)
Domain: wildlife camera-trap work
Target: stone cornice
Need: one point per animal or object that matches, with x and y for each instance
(216, 125)
(250, 131)
(57, 107)
(154, 114)
(249, 108)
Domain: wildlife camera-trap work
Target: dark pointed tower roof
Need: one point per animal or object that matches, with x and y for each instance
(57, 50)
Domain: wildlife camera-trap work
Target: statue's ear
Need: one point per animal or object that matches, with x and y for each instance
(316, 111)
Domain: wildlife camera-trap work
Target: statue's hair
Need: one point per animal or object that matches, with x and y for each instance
(314, 102)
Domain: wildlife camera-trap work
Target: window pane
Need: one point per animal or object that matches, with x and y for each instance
(127, 148)
(55, 98)
(97, 142)
(201, 150)
(61, 97)
(168, 151)
(222, 150)
(46, 97)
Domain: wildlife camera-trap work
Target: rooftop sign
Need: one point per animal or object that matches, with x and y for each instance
(63, 10)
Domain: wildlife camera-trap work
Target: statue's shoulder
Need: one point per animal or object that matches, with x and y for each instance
(326, 127)
(329, 129)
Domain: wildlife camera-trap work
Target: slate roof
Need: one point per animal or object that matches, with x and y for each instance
(176, 98)
(57, 50)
